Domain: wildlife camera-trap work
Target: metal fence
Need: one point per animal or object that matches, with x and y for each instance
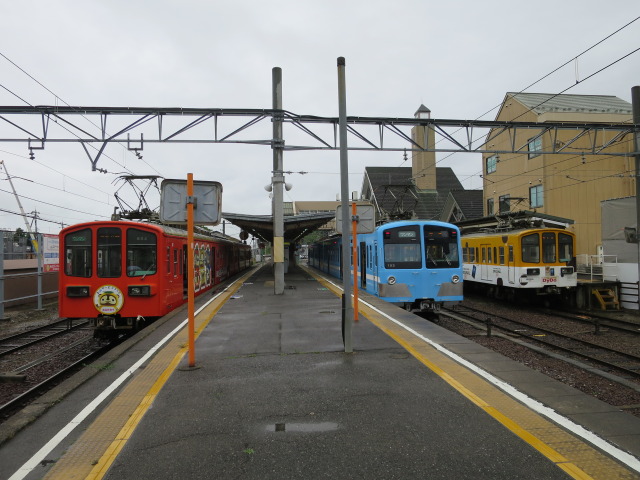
(18, 247)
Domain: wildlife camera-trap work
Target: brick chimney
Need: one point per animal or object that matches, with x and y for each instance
(423, 164)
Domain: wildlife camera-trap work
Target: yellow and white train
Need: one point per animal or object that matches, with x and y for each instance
(540, 261)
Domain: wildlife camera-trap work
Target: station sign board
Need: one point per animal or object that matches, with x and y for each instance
(207, 198)
(366, 218)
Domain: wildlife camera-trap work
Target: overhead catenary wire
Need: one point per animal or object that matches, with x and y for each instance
(57, 206)
(549, 74)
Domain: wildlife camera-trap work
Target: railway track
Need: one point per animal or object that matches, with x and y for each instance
(599, 321)
(34, 361)
(39, 334)
(624, 363)
(21, 399)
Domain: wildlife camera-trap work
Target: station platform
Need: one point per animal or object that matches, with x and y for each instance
(274, 395)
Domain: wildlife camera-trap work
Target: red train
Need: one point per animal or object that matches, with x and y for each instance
(120, 274)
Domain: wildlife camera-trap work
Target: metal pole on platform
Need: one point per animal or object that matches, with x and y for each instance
(635, 106)
(190, 272)
(40, 257)
(2, 234)
(347, 311)
(277, 182)
(354, 236)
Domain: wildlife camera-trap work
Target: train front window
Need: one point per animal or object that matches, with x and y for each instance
(109, 252)
(402, 247)
(531, 248)
(77, 248)
(141, 253)
(565, 247)
(441, 247)
(548, 247)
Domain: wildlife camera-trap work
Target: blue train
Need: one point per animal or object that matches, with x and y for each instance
(414, 264)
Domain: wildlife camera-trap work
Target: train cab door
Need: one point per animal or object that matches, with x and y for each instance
(363, 265)
(511, 266)
(484, 262)
(185, 276)
(374, 269)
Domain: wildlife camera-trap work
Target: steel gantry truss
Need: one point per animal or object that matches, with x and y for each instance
(40, 125)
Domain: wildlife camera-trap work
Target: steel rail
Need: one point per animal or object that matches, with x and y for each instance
(55, 327)
(529, 336)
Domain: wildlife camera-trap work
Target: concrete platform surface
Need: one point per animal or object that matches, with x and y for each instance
(274, 395)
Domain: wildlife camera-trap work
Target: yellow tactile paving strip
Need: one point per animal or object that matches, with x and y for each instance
(577, 458)
(93, 453)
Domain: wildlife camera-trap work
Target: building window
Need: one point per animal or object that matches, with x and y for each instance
(492, 163)
(535, 196)
(535, 147)
(490, 206)
(504, 203)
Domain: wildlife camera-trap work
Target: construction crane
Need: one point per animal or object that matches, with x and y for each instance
(34, 241)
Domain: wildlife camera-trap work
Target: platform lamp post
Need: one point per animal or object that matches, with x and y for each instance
(277, 182)
(347, 308)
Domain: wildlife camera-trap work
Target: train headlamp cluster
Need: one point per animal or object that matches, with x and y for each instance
(566, 271)
(78, 291)
(391, 280)
(139, 291)
(455, 279)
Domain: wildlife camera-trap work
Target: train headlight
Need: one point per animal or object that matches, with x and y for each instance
(455, 279)
(533, 271)
(391, 280)
(139, 291)
(566, 271)
(77, 291)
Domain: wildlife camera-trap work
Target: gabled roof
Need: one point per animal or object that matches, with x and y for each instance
(547, 102)
(469, 201)
(395, 193)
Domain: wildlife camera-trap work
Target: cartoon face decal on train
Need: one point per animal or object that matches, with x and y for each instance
(108, 299)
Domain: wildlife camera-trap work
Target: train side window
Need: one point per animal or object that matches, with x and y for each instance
(484, 255)
(141, 253)
(489, 257)
(531, 248)
(495, 255)
(501, 253)
(77, 247)
(511, 258)
(465, 254)
(109, 240)
(168, 259)
(565, 246)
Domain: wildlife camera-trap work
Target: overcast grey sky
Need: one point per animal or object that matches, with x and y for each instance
(458, 58)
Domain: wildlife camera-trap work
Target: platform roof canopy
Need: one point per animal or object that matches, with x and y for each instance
(295, 226)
